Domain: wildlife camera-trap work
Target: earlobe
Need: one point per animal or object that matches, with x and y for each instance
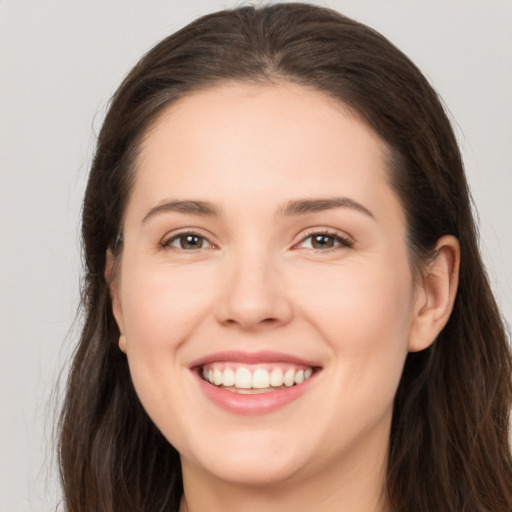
(122, 343)
(113, 284)
(436, 294)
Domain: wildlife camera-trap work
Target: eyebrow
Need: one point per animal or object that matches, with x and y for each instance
(289, 209)
(303, 206)
(204, 208)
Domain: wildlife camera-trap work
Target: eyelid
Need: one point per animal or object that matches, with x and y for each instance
(345, 241)
(174, 235)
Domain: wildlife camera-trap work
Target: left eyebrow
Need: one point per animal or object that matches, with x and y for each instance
(304, 206)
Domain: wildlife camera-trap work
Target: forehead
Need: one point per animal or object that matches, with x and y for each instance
(260, 142)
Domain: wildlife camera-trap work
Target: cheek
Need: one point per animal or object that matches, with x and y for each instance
(162, 310)
(360, 299)
(161, 307)
(364, 314)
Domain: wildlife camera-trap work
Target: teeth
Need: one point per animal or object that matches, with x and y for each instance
(289, 378)
(217, 377)
(276, 377)
(228, 377)
(243, 378)
(260, 378)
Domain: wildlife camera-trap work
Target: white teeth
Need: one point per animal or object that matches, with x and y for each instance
(260, 378)
(276, 377)
(228, 377)
(289, 378)
(243, 378)
(217, 377)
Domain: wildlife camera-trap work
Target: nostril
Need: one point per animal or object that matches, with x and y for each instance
(251, 322)
(252, 299)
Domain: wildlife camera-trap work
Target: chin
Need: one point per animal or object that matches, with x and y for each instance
(259, 459)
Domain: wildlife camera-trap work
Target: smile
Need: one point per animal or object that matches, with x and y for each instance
(244, 383)
(255, 379)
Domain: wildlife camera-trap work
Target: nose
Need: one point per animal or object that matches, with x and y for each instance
(253, 295)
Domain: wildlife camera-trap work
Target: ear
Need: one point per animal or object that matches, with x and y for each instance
(435, 295)
(117, 309)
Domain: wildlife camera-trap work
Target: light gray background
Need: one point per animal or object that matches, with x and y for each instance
(60, 61)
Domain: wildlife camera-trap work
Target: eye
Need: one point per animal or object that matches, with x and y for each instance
(324, 241)
(187, 242)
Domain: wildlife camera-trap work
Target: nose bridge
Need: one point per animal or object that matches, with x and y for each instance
(252, 293)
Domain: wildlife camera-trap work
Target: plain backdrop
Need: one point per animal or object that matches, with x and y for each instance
(60, 62)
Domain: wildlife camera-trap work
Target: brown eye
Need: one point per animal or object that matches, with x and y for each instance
(324, 241)
(191, 242)
(186, 241)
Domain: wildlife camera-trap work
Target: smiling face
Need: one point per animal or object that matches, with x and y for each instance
(264, 293)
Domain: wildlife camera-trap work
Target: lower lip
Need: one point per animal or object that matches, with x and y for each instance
(253, 404)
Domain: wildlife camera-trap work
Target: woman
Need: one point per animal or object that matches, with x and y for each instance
(285, 303)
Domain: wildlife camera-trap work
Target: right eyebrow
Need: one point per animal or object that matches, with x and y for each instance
(204, 208)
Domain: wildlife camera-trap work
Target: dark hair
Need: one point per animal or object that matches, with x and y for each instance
(449, 448)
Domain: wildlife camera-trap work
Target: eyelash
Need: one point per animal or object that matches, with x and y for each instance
(343, 242)
(167, 243)
(335, 237)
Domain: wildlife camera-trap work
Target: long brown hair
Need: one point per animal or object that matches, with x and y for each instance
(449, 448)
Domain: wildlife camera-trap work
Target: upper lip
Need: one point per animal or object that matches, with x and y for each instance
(252, 358)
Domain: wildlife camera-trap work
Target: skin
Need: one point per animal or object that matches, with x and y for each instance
(258, 284)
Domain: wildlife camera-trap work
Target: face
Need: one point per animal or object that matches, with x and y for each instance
(264, 292)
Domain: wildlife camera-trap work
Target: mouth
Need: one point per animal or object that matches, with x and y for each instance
(254, 383)
(253, 379)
